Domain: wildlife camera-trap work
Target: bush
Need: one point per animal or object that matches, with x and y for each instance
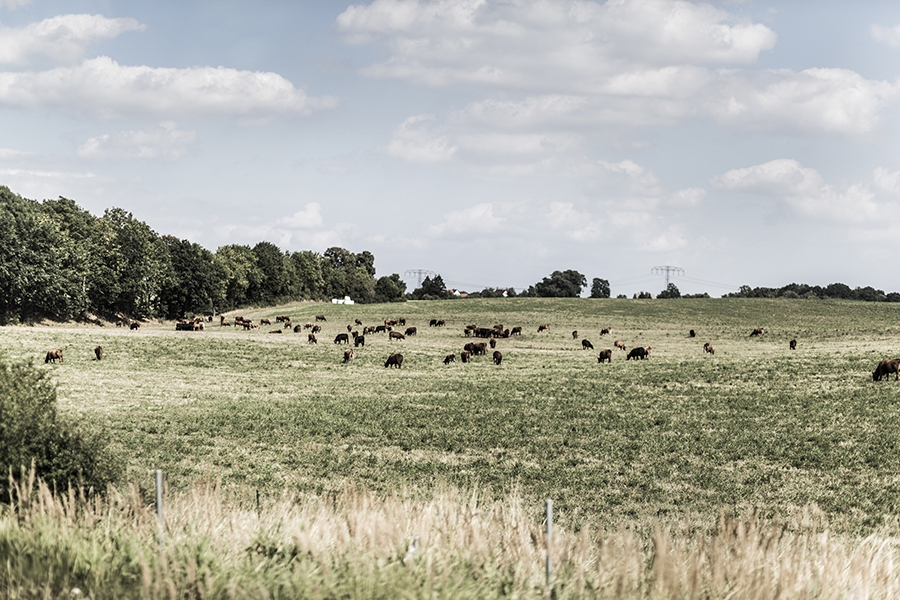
(31, 432)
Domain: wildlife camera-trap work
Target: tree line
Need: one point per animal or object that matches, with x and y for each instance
(59, 261)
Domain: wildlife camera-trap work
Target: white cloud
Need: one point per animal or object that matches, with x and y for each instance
(477, 219)
(688, 197)
(887, 181)
(574, 224)
(886, 35)
(417, 140)
(164, 141)
(10, 154)
(308, 218)
(13, 4)
(103, 88)
(62, 38)
(803, 189)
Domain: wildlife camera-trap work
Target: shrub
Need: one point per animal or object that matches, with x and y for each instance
(31, 431)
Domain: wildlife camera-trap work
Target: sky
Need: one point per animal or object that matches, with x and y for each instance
(489, 141)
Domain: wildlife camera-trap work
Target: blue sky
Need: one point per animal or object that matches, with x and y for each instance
(492, 142)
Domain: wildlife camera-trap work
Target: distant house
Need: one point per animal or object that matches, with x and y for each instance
(345, 300)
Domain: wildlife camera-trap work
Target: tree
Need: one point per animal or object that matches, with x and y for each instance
(671, 291)
(194, 280)
(561, 284)
(432, 289)
(390, 289)
(600, 288)
(275, 284)
(240, 274)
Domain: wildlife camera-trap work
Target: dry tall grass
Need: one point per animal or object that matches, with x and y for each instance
(353, 544)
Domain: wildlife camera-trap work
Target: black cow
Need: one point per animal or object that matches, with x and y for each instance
(342, 338)
(638, 353)
(394, 360)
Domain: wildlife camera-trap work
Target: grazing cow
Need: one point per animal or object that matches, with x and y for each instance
(349, 355)
(620, 345)
(468, 332)
(98, 352)
(53, 356)
(380, 329)
(298, 328)
(394, 360)
(586, 345)
(359, 340)
(134, 326)
(357, 322)
(575, 335)
(470, 348)
(342, 338)
(493, 343)
(308, 326)
(449, 359)
(793, 344)
(498, 357)
(401, 321)
(885, 367)
(432, 323)
(465, 356)
(480, 348)
(691, 333)
(321, 318)
(368, 329)
(410, 331)
(316, 328)
(268, 322)
(275, 331)
(390, 322)
(484, 332)
(184, 326)
(396, 335)
(605, 330)
(287, 325)
(757, 331)
(516, 331)
(708, 348)
(638, 353)
(543, 327)
(119, 323)
(224, 323)
(311, 338)
(605, 355)
(349, 328)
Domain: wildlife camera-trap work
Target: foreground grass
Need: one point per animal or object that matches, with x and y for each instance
(352, 544)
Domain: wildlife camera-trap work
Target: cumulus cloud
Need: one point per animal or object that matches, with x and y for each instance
(164, 141)
(477, 219)
(307, 218)
(803, 189)
(13, 4)
(576, 225)
(418, 140)
(103, 88)
(886, 35)
(62, 39)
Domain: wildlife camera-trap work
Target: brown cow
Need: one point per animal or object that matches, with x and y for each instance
(311, 339)
(470, 348)
(619, 344)
(268, 322)
(498, 357)
(465, 356)
(224, 323)
(308, 326)
(119, 323)
(605, 330)
(757, 331)
(887, 367)
(53, 356)
(98, 352)
(605, 355)
(316, 328)
(493, 343)
(349, 355)
(349, 328)
(321, 318)
(449, 359)
(480, 348)
(793, 344)
(586, 344)
(543, 327)
(394, 360)
(298, 328)
(358, 322)
(396, 335)
(708, 348)
(275, 331)
(287, 325)
(516, 331)
(575, 335)
(410, 331)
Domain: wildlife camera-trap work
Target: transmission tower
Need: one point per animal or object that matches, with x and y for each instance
(667, 270)
(421, 274)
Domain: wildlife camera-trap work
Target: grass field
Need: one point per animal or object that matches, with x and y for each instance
(790, 444)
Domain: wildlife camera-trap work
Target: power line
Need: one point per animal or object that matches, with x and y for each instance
(668, 270)
(420, 273)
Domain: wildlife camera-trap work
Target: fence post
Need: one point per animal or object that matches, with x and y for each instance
(549, 516)
(159, 505)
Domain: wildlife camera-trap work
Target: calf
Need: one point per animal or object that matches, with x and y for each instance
(543, 327)
(358, 322)
(449, 359)
(498, 357)
(586, 345)
(98, 352)
(53, 356)
(605, 355)
(691, 333)
(394, 360)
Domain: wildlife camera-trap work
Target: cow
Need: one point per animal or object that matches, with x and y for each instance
(298, 328)
(638, 353)
(449, 359)
(342, 338)
(884, 368)
(575, 335)
(390, 322)
(410, 331)
(470, 348)
(308, 326)
(119, 323)
(605, 330)
(691, 333)
(316, 328)
(401, 321)
(268, 322)
(708, 348)
(396, 335)
(498, 357)
(349, 355)
(605, 355)
(467, 332)
(465, 356)
(792, 344)
(134, 326)
(98, 352)
(757, 331)
(516, 331)
(586, 344)
(543, 327)
(480, 348)
(493, 343)
(349, 328)
(360, 340)
(440, 323)
(432, 323)
(275, 331)
(287, 325)
(368, 329)
(380, 329)
(224, 323)
(311, 339)
(619, 344)
(53, 356)
(394, 360)
(357, 322)
(321, 318)
(184, 326)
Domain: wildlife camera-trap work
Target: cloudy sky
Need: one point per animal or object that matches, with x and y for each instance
(490, 141)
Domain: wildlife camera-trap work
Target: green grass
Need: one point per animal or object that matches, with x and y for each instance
(755, 426)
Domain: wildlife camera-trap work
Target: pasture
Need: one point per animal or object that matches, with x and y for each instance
(755, 427)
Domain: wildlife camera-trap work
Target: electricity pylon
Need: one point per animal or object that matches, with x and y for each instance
(667, 270)
(420, 273)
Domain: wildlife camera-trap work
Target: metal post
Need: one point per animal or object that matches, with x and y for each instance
(549, 515)
(159, 506)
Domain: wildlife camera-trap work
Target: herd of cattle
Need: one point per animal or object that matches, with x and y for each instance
(469, 351)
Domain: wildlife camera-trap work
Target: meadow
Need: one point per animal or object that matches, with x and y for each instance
(684, 442)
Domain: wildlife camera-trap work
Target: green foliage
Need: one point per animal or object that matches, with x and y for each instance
(32, 433)
(599, 288)
(390, 289)
(432, 289)
(560, 284)
(670, 292)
